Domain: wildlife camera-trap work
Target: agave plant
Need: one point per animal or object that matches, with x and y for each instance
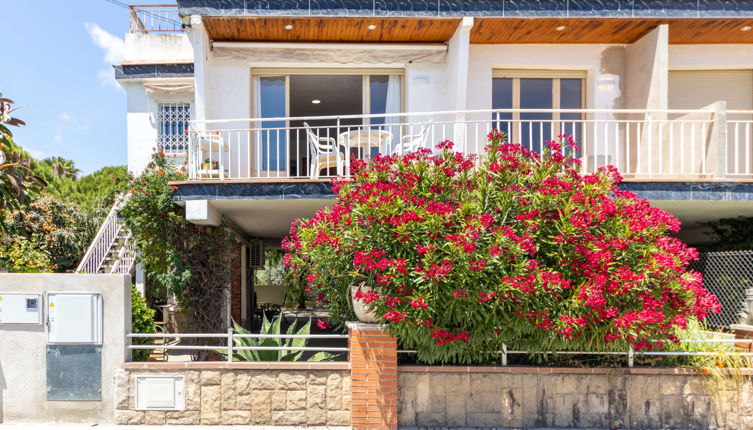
(273, 327)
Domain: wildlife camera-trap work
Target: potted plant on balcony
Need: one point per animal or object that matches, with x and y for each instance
(744, 328)
(206, 165)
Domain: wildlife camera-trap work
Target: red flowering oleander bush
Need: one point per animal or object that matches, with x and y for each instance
(466, 254)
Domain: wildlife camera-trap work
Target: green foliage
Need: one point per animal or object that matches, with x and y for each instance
(47, 235)
(142, 321)
(18, 183)
(731, 234)
(273, 328)
(190, 261)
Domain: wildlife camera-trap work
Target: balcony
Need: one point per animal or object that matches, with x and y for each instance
(155, 18)
(712, 144)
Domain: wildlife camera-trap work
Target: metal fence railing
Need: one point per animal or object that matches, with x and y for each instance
(227, 345)
(727, 275)
(630, 355)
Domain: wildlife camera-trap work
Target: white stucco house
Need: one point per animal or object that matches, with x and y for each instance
(266, 101)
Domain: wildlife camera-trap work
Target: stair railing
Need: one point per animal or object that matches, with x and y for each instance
(125, 258)
(102, 244)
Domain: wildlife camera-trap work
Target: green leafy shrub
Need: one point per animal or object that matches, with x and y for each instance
(142, 321)
(464, 255)
(190, 261)
(273, 328)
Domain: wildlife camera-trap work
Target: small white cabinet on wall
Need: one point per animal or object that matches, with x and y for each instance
(18, 308)
(74, 318)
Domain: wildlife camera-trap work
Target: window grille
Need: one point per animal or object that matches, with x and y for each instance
(173, 122)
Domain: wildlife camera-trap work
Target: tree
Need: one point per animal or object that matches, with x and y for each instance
(18, 183)
(63, 168)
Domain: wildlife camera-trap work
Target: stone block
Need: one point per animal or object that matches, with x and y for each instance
(261, 407)
(296, 400)
(242, 383)
(318, 378)
(243, 402)
(670, 386)
(484, 419)
(154, 418)
(456, 409)
(338, 418)
(263, 381)
(597, 403)
(316, 396)
(279, 400)
(129, 417)
(484, 401)
(437, 398)
(210, 377)
(235, 418)
(334, 392)
(457, 383)
(595, 384)
(227, 391)
(406, 407)
(430, 419)
(316, 416)
(193, 393)
(346, 393)
(182, 417)
(122, 389)
(210, 404)
(291, 381)
(288, 418)
(567, 384)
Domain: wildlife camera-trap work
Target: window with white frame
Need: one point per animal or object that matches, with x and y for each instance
(172, 123)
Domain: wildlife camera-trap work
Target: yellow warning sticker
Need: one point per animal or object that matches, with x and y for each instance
(52, 305)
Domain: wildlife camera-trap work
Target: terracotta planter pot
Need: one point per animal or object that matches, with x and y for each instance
(743, 331)
(363, 311)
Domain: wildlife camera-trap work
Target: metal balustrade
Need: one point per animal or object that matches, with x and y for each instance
(156, 18)
(111, 242)
(691, 145)
(228, 342)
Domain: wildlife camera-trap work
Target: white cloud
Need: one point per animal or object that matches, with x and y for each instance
(113, 46)
(114, 50)
(81, 124)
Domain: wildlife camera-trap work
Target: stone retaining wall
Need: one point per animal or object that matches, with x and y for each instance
(568, 398)
(244, 393)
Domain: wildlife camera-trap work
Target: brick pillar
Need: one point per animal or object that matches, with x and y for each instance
(373, 370)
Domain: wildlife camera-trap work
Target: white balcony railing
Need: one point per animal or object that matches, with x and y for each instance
(693, 145)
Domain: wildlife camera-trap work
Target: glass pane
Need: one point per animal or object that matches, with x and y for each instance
(272, 102)
(571, 97)
(535, 127)
(502, 99)
(378, 96)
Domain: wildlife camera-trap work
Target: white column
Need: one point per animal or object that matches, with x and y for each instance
(457, 69)
(200, 43)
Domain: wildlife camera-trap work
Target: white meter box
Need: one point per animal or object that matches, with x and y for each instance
(74, 318)
(17, 308)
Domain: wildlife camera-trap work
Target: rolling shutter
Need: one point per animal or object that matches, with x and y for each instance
(694, 89)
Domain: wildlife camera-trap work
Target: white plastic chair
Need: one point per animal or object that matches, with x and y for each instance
(323, 153)
(412, 142)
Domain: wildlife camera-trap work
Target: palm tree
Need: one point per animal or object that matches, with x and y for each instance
(63, 168)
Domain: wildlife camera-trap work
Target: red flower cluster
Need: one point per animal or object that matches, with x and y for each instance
(517, 248)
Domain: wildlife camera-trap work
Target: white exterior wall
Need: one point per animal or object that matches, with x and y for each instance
(142, 127)
(157, 49)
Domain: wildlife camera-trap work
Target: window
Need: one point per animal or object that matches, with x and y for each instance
(537, 90)
(172, 121)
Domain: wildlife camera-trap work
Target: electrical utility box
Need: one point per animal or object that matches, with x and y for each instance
(74, 318)
(16, 308)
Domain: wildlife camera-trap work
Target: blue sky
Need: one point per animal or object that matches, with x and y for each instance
(56, 61)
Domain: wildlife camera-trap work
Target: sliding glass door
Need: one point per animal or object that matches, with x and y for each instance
(329, 102)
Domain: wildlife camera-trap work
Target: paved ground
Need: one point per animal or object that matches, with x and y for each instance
(25, 426)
